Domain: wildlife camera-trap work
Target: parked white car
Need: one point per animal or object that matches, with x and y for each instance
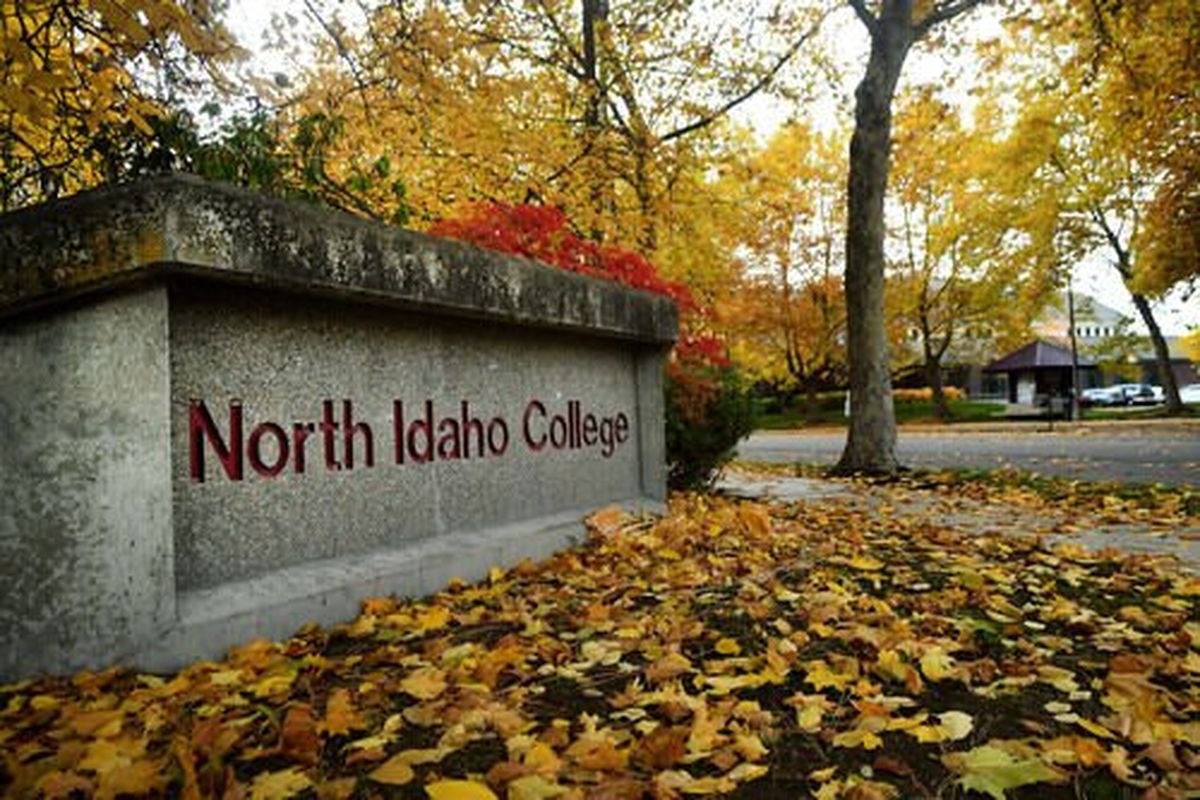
(1139, 394)
(1190, 393)
(1102, 396)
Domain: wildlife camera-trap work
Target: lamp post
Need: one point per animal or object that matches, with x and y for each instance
(1074, 348)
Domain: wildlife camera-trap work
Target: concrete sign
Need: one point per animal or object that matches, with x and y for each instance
(226, 415)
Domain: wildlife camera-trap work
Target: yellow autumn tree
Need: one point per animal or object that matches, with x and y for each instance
(613, 112)
(1110, 101)
(71, 82)
(787, 320)
(968, 267)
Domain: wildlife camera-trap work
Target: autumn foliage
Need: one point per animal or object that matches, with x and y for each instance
(707, 412)
(781, 650)
(544, 234)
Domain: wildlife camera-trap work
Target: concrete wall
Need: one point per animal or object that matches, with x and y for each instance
(139, 323)
(86, 559)
(282, 356)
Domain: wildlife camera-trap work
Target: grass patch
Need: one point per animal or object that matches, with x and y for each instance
(907, 413)
(1148, 412)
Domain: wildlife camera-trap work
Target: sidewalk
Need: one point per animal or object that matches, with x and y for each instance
(1188, 425)
(1145, 534)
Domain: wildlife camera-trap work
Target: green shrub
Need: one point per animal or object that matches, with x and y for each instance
(708, 410)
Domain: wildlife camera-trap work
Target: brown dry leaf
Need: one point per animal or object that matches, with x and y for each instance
(1072, 750)
(607, 520)
(597, 753)
(1162, 753)
(340, 715)
(663, 748)
(187, 765)
(137, 780)
(667, 668)
(298, 738)
(59, 784)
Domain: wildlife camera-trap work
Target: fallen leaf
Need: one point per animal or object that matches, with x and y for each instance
(279, 785)
(458, 790)
(993, 771)
(427, 683)
(396, 771)
(340, 715)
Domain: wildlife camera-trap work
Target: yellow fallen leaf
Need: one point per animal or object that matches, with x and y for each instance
(866, 563)
(533, 787)
(279, 785)
(822, 775)
(936, 664)
(433, 619)
(820, 676)
(458, 790)
(993, 771)
(394, 772)
(426, 683)
(857, 737)
(728, 647)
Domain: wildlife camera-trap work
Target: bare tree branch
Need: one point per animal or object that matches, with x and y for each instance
(865, 16)
(945, 13)
(762, 83)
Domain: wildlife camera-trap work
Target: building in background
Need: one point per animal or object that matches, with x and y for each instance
(1095, 323)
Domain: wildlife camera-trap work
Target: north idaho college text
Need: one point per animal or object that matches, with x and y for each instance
(337, 441)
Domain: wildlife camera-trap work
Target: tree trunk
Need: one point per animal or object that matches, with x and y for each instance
(933, 374)
(1162, 356)
(871, 446)
(812, 408)
(594, 12)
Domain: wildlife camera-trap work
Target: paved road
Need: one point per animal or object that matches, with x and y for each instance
(1170, 456)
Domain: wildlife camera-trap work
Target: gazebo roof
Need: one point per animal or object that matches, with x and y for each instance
(1036, 355)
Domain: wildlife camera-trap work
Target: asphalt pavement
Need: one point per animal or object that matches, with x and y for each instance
(1163, 454)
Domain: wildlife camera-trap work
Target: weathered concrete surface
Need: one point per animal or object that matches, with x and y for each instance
(180, 225)
(86, 561)
(281, 358)
(132, 531)
(326, 592)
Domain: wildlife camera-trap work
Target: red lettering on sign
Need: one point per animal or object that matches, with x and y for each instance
(622, 428)
(201, 427)
(349, 429)
(424, 439)
(300, 433)
(328, 428)
(497, 429)
(534, 444)
(448, 446)
(589, 429)
(425, 428)
(470, 424)
(255, 449)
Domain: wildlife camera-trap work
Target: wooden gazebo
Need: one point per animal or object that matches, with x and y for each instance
(1038, 371)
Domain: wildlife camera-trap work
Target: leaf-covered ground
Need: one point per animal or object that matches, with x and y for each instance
(733, 648)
